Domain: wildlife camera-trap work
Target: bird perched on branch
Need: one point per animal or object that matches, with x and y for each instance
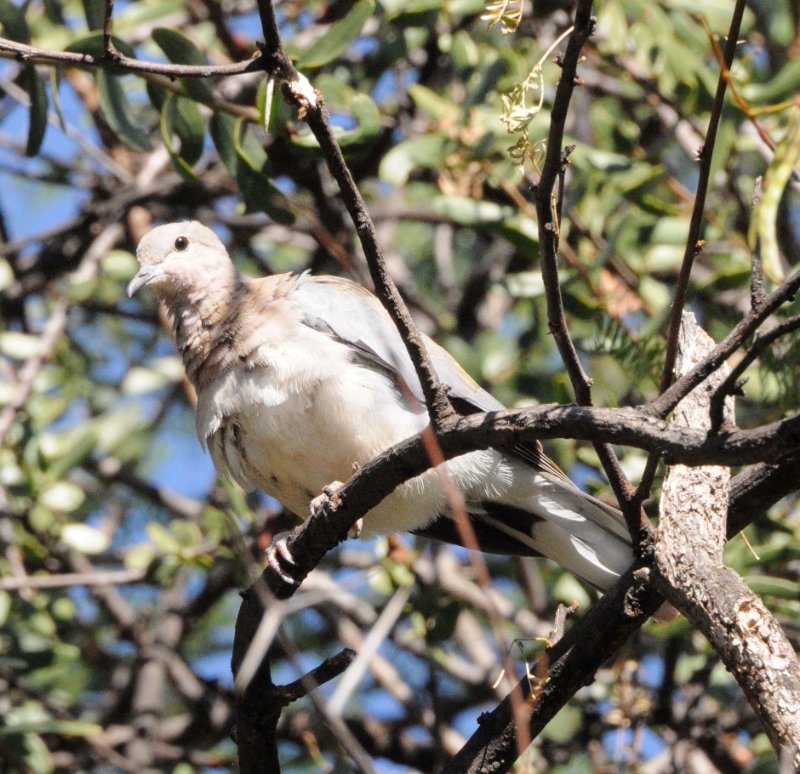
(301, 379)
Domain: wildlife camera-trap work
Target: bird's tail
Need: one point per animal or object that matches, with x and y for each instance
(549, 517)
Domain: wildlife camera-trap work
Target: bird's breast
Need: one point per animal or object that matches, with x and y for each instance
(290, 431)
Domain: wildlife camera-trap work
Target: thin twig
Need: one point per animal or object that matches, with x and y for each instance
(694, 242)
(328, 670)
(108, 45)
(694, 239)
(69, 579)
(556, 319)
(552, 170)
(10, 49)
(30, 370)
(435, 392)
(667, 401)
(731, 381)
(757, 285)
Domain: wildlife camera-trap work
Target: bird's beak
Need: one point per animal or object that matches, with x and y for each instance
(144, 276)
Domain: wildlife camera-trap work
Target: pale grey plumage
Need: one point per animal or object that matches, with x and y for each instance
(300, 378)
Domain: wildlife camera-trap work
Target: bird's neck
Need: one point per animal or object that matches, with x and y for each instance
(205, 322)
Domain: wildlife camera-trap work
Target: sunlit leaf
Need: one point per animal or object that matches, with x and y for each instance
(63, 496)
(424, 151)
(85, 538)
(776, 178)
(245, 159)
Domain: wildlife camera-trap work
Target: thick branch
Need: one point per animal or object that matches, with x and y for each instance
(691, 575)
(569, 665)
(505, 429)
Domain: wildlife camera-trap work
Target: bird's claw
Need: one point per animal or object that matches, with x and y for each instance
(279, 558)
(329, 494)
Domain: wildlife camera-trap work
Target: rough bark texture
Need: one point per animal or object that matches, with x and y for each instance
(691, 575)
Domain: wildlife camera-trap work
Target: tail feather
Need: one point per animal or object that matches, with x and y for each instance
(558, 521)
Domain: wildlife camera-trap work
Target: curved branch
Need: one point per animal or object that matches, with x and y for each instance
(504, 429)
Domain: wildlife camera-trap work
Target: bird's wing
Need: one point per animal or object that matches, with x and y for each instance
(356, 317)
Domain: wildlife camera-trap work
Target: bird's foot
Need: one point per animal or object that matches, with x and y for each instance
(329, 495)
(280, 560)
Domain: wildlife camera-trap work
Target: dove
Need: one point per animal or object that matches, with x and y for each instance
(303, 379)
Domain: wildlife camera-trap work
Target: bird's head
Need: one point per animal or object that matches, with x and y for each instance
(179, 258)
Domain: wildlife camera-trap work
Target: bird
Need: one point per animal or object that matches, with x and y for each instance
(303, 379)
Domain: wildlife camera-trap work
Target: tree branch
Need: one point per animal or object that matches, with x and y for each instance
(546, 204)
(690, 573)
(10, 49)
(694, 242)
(667, 401)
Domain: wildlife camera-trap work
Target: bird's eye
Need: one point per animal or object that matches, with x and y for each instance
(181, 243)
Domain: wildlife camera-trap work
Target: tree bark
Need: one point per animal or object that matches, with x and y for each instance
(690, 573)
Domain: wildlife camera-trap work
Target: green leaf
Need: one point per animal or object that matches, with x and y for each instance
(776, 178)
(85, 538)
(469, 212)
(94, 11)
(764, 585)
(59, 727)
(180, 50)
(62, 496)
(266, 105)
(425, 151)
(222, 127)
(368, 125)
(18, 345)
(340, 35)
(368, 117)
(432, 103)
(248, 149)
(182, 117)
(37, 122)
(117, 111)
(246, 160)
(786, 81)
(13, 22)
(162, 538)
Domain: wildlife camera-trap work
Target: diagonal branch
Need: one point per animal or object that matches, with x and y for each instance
(546, 205)
(694, 243)
(670, 398)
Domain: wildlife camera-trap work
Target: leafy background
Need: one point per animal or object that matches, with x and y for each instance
(122, 555)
